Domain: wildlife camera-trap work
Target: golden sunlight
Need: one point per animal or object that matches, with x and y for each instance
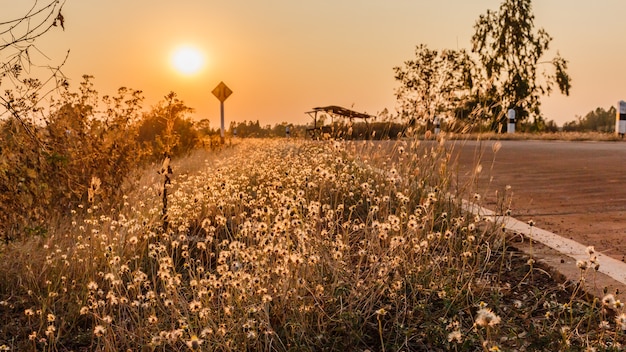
(187, 60)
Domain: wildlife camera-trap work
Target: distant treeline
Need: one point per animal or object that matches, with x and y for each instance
(598, 120)
(341, 130)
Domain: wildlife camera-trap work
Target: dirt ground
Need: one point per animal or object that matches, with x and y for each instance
(574, 189)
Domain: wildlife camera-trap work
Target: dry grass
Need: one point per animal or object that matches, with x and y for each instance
(292, 245)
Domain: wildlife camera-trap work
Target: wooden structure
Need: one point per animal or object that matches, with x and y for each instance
(332, 110)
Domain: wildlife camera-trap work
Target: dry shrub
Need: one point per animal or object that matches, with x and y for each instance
(47, 166)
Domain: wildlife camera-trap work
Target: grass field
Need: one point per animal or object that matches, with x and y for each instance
(291, 245)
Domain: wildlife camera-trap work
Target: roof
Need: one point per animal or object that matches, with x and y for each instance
(338, 110)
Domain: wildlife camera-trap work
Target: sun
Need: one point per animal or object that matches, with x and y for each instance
(188, 60)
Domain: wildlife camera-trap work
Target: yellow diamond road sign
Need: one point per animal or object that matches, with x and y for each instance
(222, 92)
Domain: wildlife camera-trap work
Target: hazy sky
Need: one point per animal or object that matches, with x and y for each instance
(284, 57)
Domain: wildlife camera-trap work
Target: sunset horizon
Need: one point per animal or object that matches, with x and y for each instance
(281, 59)
(211, 176)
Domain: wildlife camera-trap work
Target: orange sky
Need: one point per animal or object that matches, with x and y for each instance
(284, 57)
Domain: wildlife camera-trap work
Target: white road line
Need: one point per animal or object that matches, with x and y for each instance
(608, 265)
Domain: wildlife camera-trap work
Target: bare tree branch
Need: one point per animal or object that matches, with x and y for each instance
(23, 93)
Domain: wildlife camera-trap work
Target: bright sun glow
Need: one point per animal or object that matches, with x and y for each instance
(187, 60)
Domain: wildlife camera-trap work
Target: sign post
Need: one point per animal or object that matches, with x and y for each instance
(437, 122)
(620, 119)
(511, 125)
(222, 92)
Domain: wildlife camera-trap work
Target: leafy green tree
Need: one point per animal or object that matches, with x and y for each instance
(510, 51)
(433, 84)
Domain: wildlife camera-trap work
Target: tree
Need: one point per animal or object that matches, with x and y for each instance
(510, 51)
(203, 127)
(433, 84)
(167, 130)
(22, 93)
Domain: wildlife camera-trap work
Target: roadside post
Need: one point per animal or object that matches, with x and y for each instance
(511, 117)
(222, 92)
(620, 119)
(437, 122)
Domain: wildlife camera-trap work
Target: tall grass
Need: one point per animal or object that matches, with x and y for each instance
(280, 245)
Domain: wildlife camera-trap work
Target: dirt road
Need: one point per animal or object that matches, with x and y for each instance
(574, 189)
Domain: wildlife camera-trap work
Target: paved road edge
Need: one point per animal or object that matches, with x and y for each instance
(612, 268)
